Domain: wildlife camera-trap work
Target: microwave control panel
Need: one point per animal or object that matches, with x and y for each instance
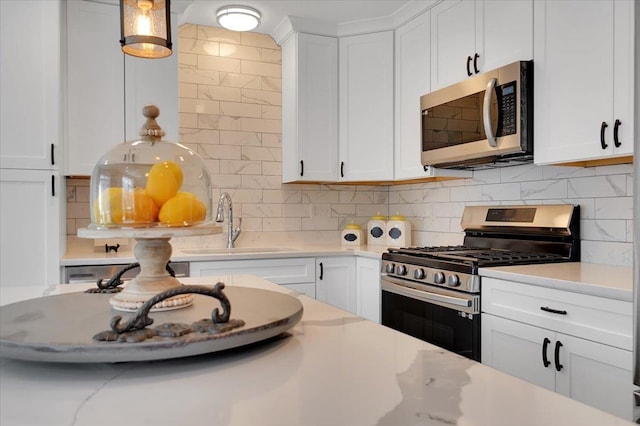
(508, 108)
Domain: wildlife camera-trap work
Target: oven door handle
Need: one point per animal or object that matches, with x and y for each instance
(402, 290)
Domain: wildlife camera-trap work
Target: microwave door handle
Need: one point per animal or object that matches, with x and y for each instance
(486, 112)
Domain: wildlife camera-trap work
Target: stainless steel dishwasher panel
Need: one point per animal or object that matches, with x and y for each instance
(92, 273)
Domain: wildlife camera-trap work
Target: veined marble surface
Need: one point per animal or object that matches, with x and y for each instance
(332, 368)
(610, 281)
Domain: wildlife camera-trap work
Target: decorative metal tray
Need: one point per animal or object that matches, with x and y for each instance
(67, 327)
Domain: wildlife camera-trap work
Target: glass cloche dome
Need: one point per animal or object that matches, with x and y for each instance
(150, 183)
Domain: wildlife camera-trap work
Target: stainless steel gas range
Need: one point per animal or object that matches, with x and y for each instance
(433, 293)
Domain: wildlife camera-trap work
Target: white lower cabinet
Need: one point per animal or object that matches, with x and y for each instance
(30, 225)
(297, 274)
(336, 282)
(521, 338)
(368, 292)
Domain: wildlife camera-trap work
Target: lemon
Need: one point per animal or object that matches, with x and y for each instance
(163, 181)
(182, 210)
(118, 206)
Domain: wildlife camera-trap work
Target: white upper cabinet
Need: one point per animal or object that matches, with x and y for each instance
(106, 91)
(30, 84)
(412, 80)
(470, 37)
(366, 107)
(95, 84)
(583, 68)
(309, 108)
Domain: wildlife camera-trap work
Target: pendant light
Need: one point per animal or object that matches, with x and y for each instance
(238, 18)
(145, 28)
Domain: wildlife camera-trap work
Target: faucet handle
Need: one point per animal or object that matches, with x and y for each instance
(236, 232)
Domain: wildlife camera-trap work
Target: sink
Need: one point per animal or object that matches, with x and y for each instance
(236, 250)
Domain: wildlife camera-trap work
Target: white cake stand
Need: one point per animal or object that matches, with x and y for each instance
(152, 251)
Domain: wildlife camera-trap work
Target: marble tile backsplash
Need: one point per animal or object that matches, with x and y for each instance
(230, 113)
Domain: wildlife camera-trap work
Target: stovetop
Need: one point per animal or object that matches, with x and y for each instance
(478, 256)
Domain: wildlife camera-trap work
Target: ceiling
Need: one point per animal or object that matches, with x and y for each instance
(332, 12)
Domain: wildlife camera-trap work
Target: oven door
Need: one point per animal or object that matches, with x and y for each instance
(445, 318)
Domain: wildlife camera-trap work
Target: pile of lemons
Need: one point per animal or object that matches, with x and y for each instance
(159, 201)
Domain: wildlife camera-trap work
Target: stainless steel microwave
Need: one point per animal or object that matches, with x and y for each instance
(484, 121)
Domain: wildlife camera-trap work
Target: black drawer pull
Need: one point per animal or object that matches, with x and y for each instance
(475, 63)
(342, 169)
(53, 158)
(603, 126)
(469, 66)
(553, 311)
(616, 126)
(301, 168)
(545, 344)
(559, 366)
(53, 185)
(321, 270)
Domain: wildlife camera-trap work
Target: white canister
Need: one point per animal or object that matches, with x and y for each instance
(377, 230)
(352, 235)
(398, 231)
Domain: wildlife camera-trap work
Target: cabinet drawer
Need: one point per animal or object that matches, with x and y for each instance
(594, 318)
(279, 271)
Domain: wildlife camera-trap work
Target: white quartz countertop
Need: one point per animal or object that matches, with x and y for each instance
(86, 255)
(613, 282)
(332, 368)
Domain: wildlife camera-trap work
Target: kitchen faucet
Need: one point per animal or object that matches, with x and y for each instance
(233, 233)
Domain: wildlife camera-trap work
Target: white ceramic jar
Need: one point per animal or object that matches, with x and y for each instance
(352, 235)
(377, 230)
(398, 231)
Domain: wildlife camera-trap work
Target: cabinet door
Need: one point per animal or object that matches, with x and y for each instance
(30, 227)
(368, 291)
(596, 374)
(517, 349)
(336, 282)
(412, 80)
(366, 107)
(582, 62)
(507, 33)
(453, 41)
(309, 108)
(29, 83)
(153, 82)
(95, 84)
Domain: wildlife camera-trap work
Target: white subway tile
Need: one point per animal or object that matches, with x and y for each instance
(241, 167)
(614, 208)
(501, 192)
(539, 190)
(560, 172)
(520, 173)
(296, 210)
(598, 186)
(230, 79)
(603, 230)
(262, 210)
(609, 253)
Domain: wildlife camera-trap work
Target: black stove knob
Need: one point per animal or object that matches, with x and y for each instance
(390, 268)
(438, 278)
(418, 274)
(453, 281)
(401, 270)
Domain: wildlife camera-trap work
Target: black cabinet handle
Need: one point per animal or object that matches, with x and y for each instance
(53, 185)
(559, 366)
(321, 270)
(53, 158)
(342, 169)
(602, 127)
(301, 168)
(553, 311)
(475, 63)
(616, 125)
(545, 344)
(469, 66)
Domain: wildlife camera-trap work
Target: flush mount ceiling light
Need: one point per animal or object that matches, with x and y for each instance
(238, 18)
(145, 28)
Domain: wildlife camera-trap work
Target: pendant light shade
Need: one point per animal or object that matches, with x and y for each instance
(238, 18)
(145, 28)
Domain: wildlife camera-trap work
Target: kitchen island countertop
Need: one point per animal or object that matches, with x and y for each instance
(332, 368)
